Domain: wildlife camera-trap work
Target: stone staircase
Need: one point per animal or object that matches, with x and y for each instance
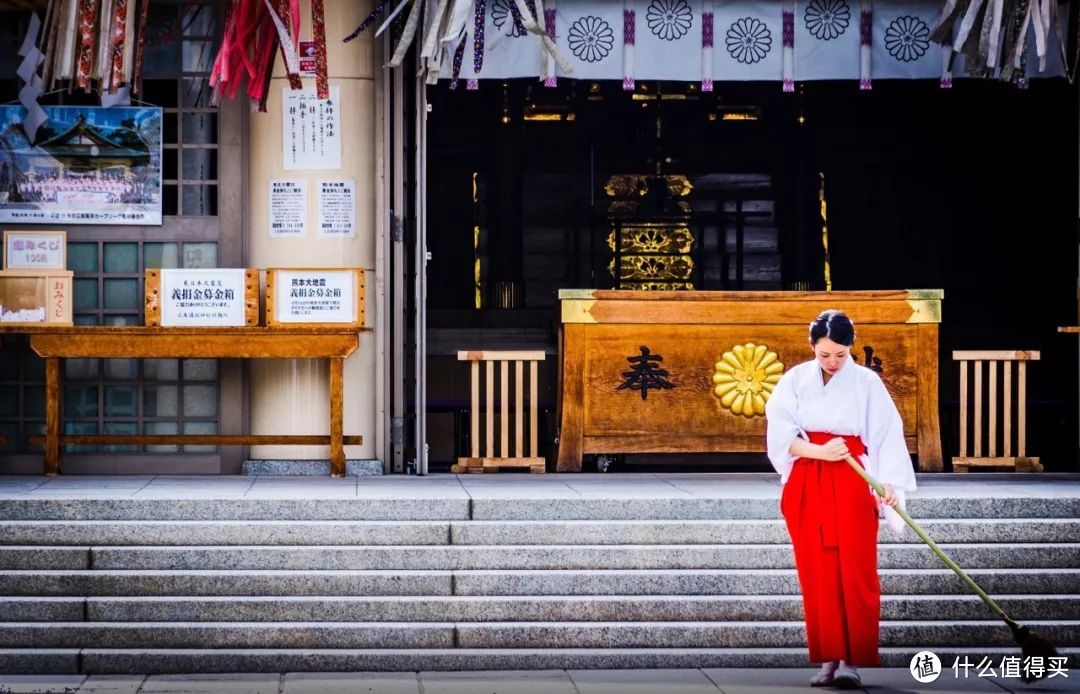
(203, 585)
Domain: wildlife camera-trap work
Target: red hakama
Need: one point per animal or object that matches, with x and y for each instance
(832, 518)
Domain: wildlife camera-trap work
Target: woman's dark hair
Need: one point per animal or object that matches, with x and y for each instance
(834, 325)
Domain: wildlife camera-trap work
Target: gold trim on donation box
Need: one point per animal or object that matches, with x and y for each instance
(319, 298)
(152, 295)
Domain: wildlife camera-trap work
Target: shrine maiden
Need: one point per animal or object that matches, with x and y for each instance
(821, 411)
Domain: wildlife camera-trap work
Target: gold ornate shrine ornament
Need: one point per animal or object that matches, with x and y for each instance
(745, 377)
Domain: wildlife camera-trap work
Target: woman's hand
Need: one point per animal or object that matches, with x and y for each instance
(836, 449)
(890, 496)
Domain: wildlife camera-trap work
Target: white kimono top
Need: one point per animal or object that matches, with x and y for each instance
(853, 403)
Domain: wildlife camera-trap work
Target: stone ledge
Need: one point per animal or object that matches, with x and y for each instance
(355, 467)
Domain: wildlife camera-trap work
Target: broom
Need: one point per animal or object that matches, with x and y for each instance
(1030, 643)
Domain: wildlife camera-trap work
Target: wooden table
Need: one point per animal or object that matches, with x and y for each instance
(91, 342)
(615, 344)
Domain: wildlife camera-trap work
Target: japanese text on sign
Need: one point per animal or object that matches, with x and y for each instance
(288, 207)
(337, 208)
(202, 297)
(34, 250)
(311, 130)
(315, 296)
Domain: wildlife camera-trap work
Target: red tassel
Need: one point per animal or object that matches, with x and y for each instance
(318, 31)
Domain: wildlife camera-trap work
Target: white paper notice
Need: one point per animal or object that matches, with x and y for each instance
(288, 207)
(202, 297)
(311, 129)
(315, 296)
(337, 208)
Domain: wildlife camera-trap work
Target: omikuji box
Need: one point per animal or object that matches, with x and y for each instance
(34, 297)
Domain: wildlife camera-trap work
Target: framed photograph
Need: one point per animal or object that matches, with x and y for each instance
(315, 296)
(86, 165)
(35, 250)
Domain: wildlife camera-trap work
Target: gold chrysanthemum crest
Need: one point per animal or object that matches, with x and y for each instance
(745, 378)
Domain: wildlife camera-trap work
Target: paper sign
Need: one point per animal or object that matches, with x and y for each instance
(35, 250)
(288, 207)
(311, 129)
(315, 296)
(202, 297)
(337, 208)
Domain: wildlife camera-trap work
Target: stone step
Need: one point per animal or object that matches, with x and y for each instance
(751, 582)
(164, 661)
(511, 582)
(56, 583)
(737, 634)
(225, 532)
(44, 558)
(519, 557)
(226, 635)
(424, 506)
(510, 608)
(632, 532)
(730, 532)
(733, 508)
(621, 634)
(450, 502)
(34, 609)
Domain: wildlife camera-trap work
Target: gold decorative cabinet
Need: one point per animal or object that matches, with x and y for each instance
(690, 371)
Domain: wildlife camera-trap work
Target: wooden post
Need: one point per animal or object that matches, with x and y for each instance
(489, 439)
(992, 382)
(978, 408)
(53, 415)
(1021, 409)
(519, 438)
(1007, 420)
(532, 409)
(337, 389)
(474, 413)
(963, 408)
(504, 411)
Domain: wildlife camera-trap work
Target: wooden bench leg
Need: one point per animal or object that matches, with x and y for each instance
(337, 389)
(53, 415)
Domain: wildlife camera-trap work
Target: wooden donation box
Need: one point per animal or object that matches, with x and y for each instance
(690, 371)
(32, 297)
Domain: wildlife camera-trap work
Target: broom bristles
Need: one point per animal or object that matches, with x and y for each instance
(1033, 646)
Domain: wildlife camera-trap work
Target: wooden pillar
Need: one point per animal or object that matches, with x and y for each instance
(53, 415)
(337, 392)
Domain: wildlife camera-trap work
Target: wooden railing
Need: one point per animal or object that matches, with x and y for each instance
(491, 459)
(1021, 462)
